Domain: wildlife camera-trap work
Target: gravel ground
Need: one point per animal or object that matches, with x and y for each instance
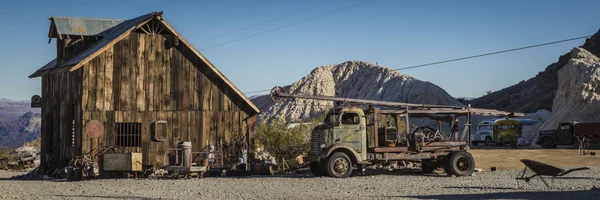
(409, 185)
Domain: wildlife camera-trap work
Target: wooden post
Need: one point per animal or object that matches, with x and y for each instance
(376, 126)
(407, 129)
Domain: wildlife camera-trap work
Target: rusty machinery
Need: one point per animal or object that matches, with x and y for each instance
(337, 146)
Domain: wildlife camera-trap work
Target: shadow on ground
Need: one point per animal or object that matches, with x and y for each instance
(102, 197)
(581, 194)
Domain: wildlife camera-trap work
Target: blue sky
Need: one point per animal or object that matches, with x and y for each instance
(393, 33)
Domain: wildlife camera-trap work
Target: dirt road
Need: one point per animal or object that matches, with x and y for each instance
(400, 184)
(504, 159)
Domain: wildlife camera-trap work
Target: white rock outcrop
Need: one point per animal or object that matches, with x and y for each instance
(530, 132)
(352, 79)
(578, 94)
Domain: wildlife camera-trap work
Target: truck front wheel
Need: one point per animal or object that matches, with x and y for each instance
(488, 141)
(339, 165)
(316, 169)
(547, 143)
(460, 163)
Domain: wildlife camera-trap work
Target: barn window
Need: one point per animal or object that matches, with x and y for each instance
(128, 134)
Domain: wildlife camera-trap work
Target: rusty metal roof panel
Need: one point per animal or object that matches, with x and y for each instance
(109, 36)
(83, 26)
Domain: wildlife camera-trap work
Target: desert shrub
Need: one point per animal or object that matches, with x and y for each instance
(282, 142)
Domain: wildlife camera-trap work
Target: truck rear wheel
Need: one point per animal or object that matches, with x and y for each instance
(460, 163)
(547, 143)
(316, 169)
(339, 165)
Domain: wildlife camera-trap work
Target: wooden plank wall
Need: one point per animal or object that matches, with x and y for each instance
(61, 93)
(141, 80)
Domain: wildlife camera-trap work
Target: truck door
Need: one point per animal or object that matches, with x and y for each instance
(565, 134)
(353, 131)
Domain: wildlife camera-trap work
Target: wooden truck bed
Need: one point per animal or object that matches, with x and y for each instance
(587, 129)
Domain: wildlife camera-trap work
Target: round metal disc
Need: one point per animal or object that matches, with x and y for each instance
(94, 129)
(275, 94)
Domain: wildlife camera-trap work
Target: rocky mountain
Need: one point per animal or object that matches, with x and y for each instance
(351, 79)
(15, 133)
(536, 93)
(11, 110)
(578, 94)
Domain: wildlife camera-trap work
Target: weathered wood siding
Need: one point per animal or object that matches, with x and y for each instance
(61, 93)
(141, 80)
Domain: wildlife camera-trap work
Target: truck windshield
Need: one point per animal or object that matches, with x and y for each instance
(485, 127)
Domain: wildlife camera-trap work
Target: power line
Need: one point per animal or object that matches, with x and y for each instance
(264, 22)
(493, 53)
(471, 57)
(292, 24)
(258, 91)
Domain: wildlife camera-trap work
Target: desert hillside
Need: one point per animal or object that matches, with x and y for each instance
(351, 79)
(535, 93)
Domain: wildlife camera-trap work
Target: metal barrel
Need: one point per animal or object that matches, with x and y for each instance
(186, 153)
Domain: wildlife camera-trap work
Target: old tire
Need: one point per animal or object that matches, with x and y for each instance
(488, 141)
(339, 165)
(316, 169)
(460, 163)
(547, 143)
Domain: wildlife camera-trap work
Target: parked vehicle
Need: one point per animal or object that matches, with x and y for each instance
(500, 131)
(569, 133)
(355, 138)
(484, 134)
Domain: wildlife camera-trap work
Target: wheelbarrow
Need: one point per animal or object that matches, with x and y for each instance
(541, 169)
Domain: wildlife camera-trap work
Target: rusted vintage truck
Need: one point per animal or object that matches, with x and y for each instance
(353, 137)
(569, 133)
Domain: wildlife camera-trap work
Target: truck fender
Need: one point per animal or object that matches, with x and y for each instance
(343, 148)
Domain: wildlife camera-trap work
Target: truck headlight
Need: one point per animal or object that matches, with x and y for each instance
(322, 145)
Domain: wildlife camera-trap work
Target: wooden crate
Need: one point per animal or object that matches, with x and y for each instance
(126, 162)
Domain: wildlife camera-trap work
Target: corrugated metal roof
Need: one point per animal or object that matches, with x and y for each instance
(83, 26)
(109, 36)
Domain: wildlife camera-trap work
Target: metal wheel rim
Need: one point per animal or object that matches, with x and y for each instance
(340, 166)
(463, 164)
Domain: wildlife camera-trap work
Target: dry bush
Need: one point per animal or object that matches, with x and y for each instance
(282, 142)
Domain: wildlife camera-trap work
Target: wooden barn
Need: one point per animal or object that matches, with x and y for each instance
(147, 84)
